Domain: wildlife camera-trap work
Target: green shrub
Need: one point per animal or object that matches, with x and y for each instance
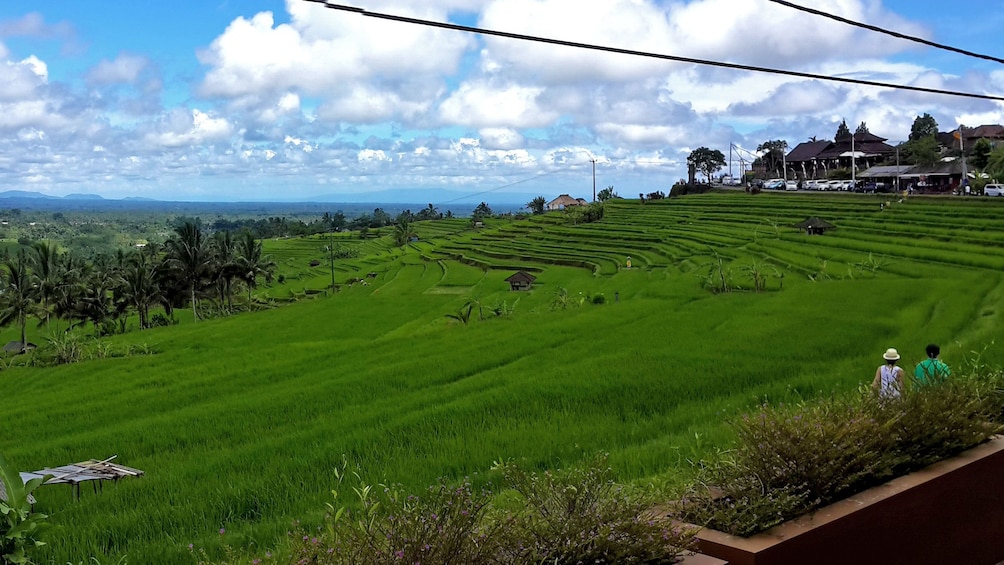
(160, 320)
(20, 527)
(583, 516)
(579, 516)
(599, 299)
(793, 459)
(65, 348)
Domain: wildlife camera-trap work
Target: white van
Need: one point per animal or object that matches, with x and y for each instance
(993, 190)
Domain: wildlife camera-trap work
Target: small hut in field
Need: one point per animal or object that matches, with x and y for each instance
(17, 347)
(815, 226)
(521, 280)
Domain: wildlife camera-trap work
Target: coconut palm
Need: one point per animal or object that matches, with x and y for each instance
(251, 262)
(46, 273)
(538, 205)
(224, 266)
(403, 232)
(17, 299)
(73, 271)
(95, 304)
(138, 286)
(188, 253)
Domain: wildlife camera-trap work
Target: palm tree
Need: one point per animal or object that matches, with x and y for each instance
(188, 253)
(95, 303)
(65, 300)
(224, 266)
(403, 232)
(17, 301)
(251, 262)
(46, 273)
(537, 205)
(138, 286)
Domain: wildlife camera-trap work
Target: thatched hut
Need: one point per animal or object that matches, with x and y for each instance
(521, 280)
(815, 226)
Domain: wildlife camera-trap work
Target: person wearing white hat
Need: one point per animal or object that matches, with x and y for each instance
(888, 381)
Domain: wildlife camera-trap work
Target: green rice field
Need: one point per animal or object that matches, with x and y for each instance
(239, 422)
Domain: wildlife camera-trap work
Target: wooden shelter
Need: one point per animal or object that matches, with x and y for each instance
(521, 280)
(815, 226)
(17, 347)
(564, 201)
(75, 474)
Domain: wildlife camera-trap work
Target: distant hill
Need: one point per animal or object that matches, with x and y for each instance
(440, 198)
(25, 194)
(83, 197)
(140, 199)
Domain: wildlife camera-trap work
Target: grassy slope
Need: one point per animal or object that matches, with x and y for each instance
(239, 421)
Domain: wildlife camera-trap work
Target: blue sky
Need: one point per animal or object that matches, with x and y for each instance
(285, 100)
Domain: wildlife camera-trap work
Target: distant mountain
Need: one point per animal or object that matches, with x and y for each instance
(25, 194)
(440, 198)
(83, 197)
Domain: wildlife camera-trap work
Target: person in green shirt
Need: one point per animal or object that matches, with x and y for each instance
(931, 370)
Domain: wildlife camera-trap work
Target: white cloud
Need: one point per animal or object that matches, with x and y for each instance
(183, 128)
(332, 56)
(124, 69)
(501, 138)
(485, 105)
(21, 80)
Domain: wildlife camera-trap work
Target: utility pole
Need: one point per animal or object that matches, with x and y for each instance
(853, 163)
(899, 180)
(962, 147)
(331, 259)
(594, 178)
(784, 163)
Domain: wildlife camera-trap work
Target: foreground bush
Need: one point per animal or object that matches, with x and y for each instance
(20, 527)
(790, 460)
(580, 516)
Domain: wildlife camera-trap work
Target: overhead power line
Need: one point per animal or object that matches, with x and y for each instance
(884, 31)
(676, 58)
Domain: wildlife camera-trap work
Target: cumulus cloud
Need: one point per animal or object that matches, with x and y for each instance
(181, 128)
(335, 55)
(501, 138)
(482, 104)
(22, 80)
(124, 69)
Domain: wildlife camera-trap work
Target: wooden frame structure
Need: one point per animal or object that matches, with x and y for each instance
(75, 474)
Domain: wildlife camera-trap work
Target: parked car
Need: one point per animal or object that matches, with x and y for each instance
(791, 185)
(993, 190)
(774, 184)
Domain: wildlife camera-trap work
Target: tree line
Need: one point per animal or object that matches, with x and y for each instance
(44, 283)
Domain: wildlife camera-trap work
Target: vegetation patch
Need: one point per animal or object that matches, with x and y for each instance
(790, 460)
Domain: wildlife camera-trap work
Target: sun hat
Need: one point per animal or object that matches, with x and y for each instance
(891, 354)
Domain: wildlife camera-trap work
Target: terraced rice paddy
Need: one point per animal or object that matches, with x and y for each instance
(239, 421)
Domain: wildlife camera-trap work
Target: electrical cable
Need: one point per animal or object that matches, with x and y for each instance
(676, 58)
(884, 31)
(490, 190)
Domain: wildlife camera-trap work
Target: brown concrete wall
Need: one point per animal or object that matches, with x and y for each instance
(951, 512)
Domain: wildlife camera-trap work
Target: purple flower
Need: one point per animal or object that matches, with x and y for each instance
(223, 531)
